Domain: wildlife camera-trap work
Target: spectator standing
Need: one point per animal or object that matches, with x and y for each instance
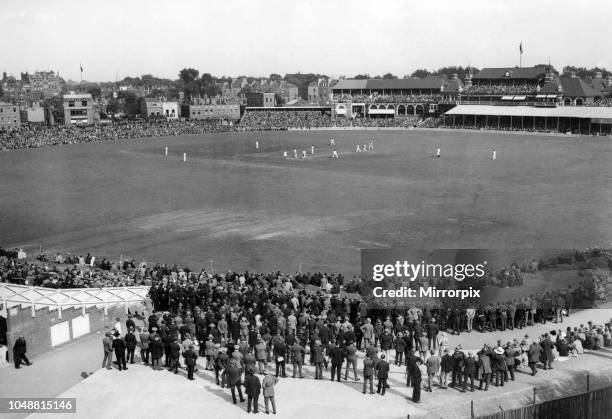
(190, 361)
(253, 388)
(267, 385)
(107, 345)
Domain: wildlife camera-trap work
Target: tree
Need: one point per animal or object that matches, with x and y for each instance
(420, 73)
(580, 72)
(209, 85)
(547, 65)
(113, 106)
(389, 76)
(94, 91)
(275, 77)
(131, 102)
(157, 93)
(362, 77)
(193, 88)
(187, 75)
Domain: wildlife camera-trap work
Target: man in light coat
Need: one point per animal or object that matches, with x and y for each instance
(107, 344)
(368, 332)
(433, 366)
(267, 386)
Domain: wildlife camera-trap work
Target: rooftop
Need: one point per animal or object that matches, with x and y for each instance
(511, 73)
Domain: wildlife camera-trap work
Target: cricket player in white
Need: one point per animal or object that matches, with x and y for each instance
(371, 145)
(256, 145)
(303, 154)
(335, 155)
(437, 152)
(312, 149)
(332, 142)
(295, 153)
(284, 155)
(365, 148)
(358, 150)
(494, 155)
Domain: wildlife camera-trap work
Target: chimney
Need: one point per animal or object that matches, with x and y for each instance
(455, 76)
(598, 75)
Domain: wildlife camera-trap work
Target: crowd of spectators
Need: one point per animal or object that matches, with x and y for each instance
(605, 102)
(407, 122)
(282, 120)
(432, 122)
(379, 98)
(33, 136)
(246, 323)
(501, 89)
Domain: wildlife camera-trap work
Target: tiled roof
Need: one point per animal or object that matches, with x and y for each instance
(391, 84)
(571, 87)
(522, 73)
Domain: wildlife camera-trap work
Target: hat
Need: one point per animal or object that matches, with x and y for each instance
(499, 350)
(217, 345)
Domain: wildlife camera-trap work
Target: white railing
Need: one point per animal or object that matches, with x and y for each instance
(12, 295)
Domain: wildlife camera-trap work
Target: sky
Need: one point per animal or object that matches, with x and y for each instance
(259, 37)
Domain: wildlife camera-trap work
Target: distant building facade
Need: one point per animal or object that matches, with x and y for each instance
(34, 114)
(151, 107)
(78, 108)
(319, 92)
(214, 111)
(260, 99)
(287, 91)
(45, 84)
(9, 117)
(170, 110)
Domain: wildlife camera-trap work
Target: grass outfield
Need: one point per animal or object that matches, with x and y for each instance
(248, 209)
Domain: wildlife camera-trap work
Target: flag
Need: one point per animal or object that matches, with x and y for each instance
(520, 48)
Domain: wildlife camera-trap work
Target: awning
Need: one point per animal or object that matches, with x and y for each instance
(540, 96)
(520, 97)
(552, 96)
(598, 112)
(507, 97)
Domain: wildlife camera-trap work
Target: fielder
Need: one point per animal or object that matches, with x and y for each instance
(332, 143)
(295, 153)
(371, 145)
(438, 153)
(284, 155)
(334, 155)
(312, 149)
(303, 154)
(256, 145)
(358, 150)
(494, 155)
